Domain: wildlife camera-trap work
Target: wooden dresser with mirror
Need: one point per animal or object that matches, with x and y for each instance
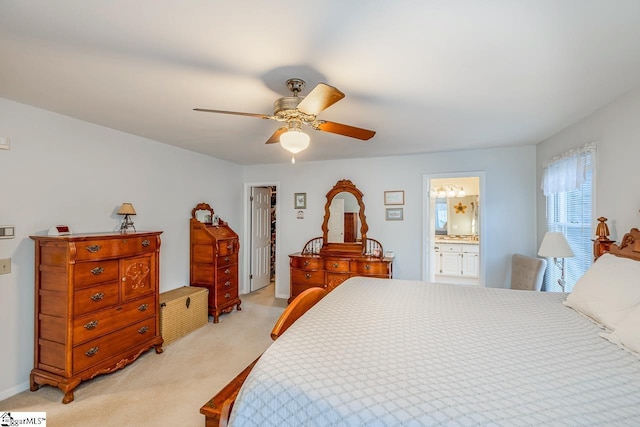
(214, 249)
(344, 250)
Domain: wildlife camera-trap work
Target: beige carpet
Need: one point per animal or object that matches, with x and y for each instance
(169, 388)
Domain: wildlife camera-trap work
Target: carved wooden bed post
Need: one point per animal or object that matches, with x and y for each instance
(602, 243)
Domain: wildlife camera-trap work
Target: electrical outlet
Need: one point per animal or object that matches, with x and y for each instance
(5, 266)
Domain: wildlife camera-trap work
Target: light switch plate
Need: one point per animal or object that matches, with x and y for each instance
(7, 231)
(5, 266)
(5, 143)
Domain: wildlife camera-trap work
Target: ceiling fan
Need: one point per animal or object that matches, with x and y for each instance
(296, 111)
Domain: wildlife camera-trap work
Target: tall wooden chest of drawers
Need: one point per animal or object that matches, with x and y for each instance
(96, 305)
(214, 264)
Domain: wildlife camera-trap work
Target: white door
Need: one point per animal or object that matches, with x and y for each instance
(260, 238)
(335, 232)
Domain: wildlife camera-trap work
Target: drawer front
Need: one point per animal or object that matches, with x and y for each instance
(449, 248)
(114, 248)
(224, 260)
(338, 265)
(227, 247)
(90, 273)
(95, 298)
(471, 248)
(93, 352)
(226, 295)
(307, 263)
(373, 268)
(307, 278)
(106, 321)
(228, 273)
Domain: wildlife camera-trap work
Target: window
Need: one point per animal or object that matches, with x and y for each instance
(568, 185)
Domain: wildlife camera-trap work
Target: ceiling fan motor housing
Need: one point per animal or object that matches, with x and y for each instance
(286, 108)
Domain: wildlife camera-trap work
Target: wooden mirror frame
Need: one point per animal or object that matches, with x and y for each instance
(202, 207)
(344, 185)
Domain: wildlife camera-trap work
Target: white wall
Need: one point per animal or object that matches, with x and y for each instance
(63, 171)
(509, 204)
(616, 130)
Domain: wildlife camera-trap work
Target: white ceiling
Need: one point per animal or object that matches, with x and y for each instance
(426, 75)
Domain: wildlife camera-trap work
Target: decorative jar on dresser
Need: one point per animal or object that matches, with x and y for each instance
(214, 260)
(96, 305)
(342, 251)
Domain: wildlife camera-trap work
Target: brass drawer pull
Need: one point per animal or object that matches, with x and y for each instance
(227, 271)
(92, 351)
(307, 276)
(227, 283)
(227, 259)
(229, 247)
(97, 296)
(143, 330)
(94, 248)
(143, 307)
(367, 267)
(335, 265)
(306, 263)
(91, 325)
(146, 242)
(227, 296)
(97, 270)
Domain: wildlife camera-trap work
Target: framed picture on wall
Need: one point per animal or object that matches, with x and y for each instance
(394, 214)
(394, 197)
(300, 201)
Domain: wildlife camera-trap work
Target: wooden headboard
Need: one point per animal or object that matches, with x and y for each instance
(629, 246)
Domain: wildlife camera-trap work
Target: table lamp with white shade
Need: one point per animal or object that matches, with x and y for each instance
(554, 245)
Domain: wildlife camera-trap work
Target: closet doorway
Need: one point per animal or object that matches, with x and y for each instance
(261, 213)
(453, 224)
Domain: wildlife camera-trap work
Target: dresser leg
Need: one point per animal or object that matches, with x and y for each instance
(238, 306)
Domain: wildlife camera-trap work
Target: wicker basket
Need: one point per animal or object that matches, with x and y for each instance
(183, 310)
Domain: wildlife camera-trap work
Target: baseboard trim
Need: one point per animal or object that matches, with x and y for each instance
(5, 394)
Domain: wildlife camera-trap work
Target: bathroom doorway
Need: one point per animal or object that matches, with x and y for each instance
(453, 238)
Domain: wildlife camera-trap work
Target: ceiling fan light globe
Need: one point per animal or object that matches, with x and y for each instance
(294, 141)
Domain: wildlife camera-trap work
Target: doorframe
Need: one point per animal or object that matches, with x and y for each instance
(244, 286)
(427, 244)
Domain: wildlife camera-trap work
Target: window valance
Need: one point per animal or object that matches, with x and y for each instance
(567, 172)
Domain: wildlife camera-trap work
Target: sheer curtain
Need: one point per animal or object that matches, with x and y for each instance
(567, 184)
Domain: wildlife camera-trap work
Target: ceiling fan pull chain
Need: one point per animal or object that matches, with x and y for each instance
(293, 159)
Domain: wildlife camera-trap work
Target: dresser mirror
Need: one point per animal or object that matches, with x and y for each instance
(203, 213)
(344, 227)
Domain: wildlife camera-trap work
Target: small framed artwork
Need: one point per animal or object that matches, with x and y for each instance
(300, 201)
(394, 214)
(394, 197)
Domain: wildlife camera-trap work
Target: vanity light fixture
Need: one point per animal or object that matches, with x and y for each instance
(126, 209)
(447, 190)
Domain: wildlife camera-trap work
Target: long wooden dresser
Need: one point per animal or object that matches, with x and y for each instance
(329, 271)
(96, 305)
(214, 260)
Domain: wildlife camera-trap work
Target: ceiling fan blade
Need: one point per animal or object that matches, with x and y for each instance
(276, 135)
(262, 116)
(320, 98)
(345, 130)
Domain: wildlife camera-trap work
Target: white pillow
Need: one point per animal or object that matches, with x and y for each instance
(627, 333)
(608, 291)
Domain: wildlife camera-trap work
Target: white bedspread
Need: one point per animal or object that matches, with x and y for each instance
(378, 352)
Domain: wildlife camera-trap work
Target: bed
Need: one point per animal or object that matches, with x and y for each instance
(387, 352)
